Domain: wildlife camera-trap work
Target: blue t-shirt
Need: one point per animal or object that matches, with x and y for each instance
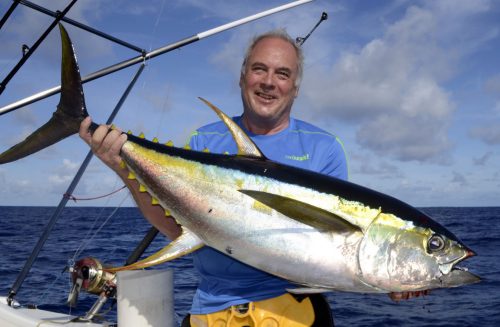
(225, 281)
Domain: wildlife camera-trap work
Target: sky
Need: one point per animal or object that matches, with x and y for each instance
(412, 88)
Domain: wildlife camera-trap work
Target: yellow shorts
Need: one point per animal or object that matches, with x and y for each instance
(280, 311)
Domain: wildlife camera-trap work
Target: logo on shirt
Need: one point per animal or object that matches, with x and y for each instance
(299, 158)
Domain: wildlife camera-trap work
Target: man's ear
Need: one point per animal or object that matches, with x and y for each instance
(296, 91)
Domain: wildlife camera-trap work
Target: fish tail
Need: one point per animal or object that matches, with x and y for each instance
(70, 111)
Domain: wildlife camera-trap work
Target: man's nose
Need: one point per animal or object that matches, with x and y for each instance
(267, 82)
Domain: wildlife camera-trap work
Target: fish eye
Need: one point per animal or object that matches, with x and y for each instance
(436, 243)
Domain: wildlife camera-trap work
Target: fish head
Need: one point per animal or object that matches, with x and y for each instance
(397, 255)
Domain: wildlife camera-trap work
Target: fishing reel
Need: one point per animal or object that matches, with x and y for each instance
(88, 274)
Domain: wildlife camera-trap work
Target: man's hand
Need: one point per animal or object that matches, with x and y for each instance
(398, 296)
(105, 144)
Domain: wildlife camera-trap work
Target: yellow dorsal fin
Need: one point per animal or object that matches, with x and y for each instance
(245, 145)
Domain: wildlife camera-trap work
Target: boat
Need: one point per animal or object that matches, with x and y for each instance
(132, 290)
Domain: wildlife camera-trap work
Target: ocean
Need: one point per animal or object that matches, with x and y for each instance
(110, 235)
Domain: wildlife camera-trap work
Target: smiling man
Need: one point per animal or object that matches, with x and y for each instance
(270, 78)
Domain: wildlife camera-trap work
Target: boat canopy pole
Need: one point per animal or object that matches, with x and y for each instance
(53, 219)
(32, 49)
(81, 26)
(142, 246)
(151, 54)
(8, 13)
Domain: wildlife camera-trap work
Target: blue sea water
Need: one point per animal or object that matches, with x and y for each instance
(110, 236)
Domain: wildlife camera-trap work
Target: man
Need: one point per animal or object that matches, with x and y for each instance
(230, 291)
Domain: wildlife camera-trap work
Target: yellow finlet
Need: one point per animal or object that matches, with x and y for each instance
(142, 188)
(187, 147)
(206, 150)
(129, 132)
(167, 213)
(246, 147)
(142, 136)
(155, 140)
(169, 143)
(123, 165)
(154, 201)
(131, 175)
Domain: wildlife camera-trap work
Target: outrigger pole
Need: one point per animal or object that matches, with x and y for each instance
(151, 54)
(55, 216)
(30, 50)
(79, 25)
(8, 13)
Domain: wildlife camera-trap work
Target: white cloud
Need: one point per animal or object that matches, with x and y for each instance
(459, 179)
(481, 161)
(392, 89)
(62, 175)
(489, 134)
(492, 85)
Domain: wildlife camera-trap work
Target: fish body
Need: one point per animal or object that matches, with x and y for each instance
(306, 227)
(317, 231)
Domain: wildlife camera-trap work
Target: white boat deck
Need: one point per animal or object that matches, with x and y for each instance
(18, 316)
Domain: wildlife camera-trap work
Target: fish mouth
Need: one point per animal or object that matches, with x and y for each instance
(458, 276)
(447, 267)
(454, 276)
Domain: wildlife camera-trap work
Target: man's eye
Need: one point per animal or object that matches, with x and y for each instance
(283, 75)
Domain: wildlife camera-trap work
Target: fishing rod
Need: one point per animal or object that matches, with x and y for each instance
(151, 54)
(80, 25)
(55, 216)
(300, 40)
(28, 51)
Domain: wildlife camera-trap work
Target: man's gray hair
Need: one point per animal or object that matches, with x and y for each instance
(283, 35)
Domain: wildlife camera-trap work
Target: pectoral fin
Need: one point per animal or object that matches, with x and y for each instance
(304, 212)
(186, 243)
(307, 290)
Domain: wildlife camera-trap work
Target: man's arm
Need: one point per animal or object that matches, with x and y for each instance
(106, 145)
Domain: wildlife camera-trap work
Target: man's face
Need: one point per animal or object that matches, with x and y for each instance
(268, 85)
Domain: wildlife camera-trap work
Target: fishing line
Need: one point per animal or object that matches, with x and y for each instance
(165, 96)
(75, 199)
(91, 235)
